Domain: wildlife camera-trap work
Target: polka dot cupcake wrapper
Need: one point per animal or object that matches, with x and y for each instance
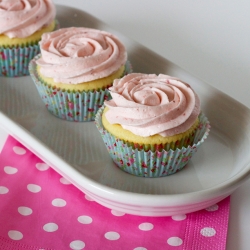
(73, 105)
(15, 61)
(148, 163)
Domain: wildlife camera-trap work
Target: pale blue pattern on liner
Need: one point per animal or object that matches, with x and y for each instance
(148, 163)
(15, 61)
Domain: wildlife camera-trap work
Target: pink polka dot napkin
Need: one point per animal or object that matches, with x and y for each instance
(39, 209)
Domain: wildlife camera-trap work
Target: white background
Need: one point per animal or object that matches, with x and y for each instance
(210, 39)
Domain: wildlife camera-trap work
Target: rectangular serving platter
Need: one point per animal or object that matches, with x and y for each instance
(76, 150)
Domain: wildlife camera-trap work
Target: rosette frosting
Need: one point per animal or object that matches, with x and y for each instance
(22, 18)
(76, 55)
(152, 104)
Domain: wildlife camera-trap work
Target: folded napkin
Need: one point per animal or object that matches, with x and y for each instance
(39, 209)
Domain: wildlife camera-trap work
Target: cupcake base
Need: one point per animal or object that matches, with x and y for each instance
(70, 105)
(148, 163)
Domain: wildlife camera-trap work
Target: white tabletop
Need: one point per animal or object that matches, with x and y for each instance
(210, 39)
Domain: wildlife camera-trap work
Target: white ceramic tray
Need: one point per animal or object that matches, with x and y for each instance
(77, 152)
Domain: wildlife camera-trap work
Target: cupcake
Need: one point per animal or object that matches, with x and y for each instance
(153, 124)
(75, 69)
(22, 24)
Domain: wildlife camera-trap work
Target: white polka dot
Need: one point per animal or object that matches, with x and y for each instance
(42, 166)
(34, 188)
(179, 217)
(174, 241)
(50, 227)
(10, 170)
(64, 181)
(112, 236)
(117, 213)
(59, 202)
(3, 190)
(15, 235)
(88, 198)
(208, 231)
(212, 208)
(25, 211)
(140, 248)
(77, 244)
(146, 226)
(84, 219)
(19, 150)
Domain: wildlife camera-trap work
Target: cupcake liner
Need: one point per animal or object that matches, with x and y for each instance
(148, 163)
(14, 61)
(70, 105)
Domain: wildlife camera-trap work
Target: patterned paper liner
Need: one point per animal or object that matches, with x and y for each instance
(14, 61)
(151, 163)
(71, 105)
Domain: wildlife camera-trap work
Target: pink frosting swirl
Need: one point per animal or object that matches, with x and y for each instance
(75, 55)
(22, 18)
(152, 104)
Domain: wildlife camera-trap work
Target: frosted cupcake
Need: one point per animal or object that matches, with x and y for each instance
(22, 24)
(75, 69)
(152, 125)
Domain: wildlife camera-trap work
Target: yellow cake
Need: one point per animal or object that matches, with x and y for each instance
(34, 38)
(97, 84)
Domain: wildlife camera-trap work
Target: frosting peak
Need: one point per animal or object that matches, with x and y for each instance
(152, 104)
(76, 55)
(22, 18)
